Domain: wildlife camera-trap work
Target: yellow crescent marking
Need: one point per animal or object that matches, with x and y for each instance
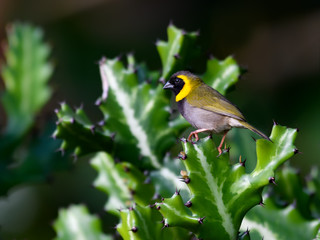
(186, 88)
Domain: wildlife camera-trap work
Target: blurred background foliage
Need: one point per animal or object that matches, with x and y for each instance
(279, 44)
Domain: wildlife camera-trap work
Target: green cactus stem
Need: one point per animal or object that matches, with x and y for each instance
(221, 194)
(75, 222)
(274, 223)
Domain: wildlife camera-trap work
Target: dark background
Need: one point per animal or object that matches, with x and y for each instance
(279, 43)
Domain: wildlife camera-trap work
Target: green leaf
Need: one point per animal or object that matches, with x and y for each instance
(313, 187)
(75, 222)
(271, 222)
(167, 179)
(25, 76)
(290, 190)
(221, 74)
(223, 193)
(177, 51)
(36, 164)
(123, 183)
(79, 134)
(144, 223)
(137, 113)
(110, 180)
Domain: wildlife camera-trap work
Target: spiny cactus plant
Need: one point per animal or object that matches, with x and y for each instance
(289, 208)
(25, 155)
(155, 194)
(226, 190)
(77, 223)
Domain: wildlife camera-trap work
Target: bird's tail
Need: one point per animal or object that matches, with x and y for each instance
(253, 129)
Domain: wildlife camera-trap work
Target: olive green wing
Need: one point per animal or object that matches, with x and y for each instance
(209, 99)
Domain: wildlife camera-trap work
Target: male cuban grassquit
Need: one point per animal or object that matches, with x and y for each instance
(205, 108)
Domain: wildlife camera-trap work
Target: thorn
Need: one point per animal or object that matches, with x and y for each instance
(177, 192)
(147, 180)
(119, 209)
(243, 164)
(113, 135)
(163, 220)
(162, 80)
(72, 120)
(187, 180)
(118, 58)
(272, 180)
(254, 139)
(56, 110)
(62, 103)
(162, 199)
(54, 136)
(188, 204)
(183, 32)
(130, 208)
(101, 123)
(170, 23)
(158, 207)
(98, 102)
(79, 108)
(177, 56)
(134, 229)
(200, 220)
(228, 149)
(275, 123)
(75, 157)
(182, 155)
(152, 205)
(261, 204)
(165, 226)
(115, 227)
(102, 60)
(156, 196)
(58, 121)
(132, 192)
(210, 136)
(296, 151)
(146, 173)
(92, 128)
(135, 70)
(60, 150)
(157, 42)
(297, 129)
(126, 169)
(183, 140)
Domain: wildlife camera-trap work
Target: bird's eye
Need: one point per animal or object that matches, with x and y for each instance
(177, 80)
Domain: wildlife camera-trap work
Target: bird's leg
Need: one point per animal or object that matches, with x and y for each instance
(195, 134)
(222, 140)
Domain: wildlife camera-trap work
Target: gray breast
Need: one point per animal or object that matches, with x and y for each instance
(203, 119)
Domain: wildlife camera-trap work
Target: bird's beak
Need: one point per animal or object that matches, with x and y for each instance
(168, 85)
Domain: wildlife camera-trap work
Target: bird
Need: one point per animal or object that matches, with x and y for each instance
(205, 108)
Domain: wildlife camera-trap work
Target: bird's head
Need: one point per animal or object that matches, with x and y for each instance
(182, 83)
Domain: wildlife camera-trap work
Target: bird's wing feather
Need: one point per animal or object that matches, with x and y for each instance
(209, 99)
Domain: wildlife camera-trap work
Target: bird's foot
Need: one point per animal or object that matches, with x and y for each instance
(225, 150)
(220, 151)
(195, 134)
